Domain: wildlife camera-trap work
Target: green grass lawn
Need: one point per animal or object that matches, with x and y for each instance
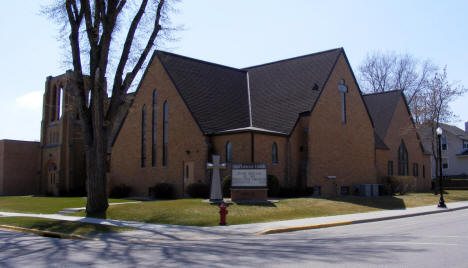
(65, 227)
(198, 213)
(44, 205)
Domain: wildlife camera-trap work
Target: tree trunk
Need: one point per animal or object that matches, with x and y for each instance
(96, 171)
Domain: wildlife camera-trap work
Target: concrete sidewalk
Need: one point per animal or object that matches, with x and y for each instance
(148, 231)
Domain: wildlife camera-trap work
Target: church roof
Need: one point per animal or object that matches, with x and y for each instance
(281, 90)
(381, 107)
(267, 97)
(216, 95)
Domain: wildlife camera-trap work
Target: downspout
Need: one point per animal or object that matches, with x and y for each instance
(288, 161)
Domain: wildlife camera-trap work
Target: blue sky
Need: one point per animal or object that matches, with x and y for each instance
(242, 33)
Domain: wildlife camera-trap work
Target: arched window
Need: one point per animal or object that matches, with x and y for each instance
(143, 136)
(402, 160)
(228, 152)
(274, 153)
(165, 136)
(154, 128)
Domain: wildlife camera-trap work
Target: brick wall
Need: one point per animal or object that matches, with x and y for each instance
(344, 150)
(298, 153)
(241, 149)
(401, 128)
(19, 167)
(263, 154)
(186, 142)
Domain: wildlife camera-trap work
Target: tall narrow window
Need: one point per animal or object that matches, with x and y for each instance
(154, 128)
(274, 153)
(165, 117)
(402, 160)
(415, 170)
(54, 104)
(60, 104)
(343, 89)
(143, 136)
(89, 98)
(228, 152)
(424, 171)
(390, 168)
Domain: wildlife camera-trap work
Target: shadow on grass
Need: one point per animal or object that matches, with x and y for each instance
(256, 203)
(381, 202)
(247, 203)
(58, 226)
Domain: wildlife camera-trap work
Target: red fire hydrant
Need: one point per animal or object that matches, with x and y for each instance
(222, 214)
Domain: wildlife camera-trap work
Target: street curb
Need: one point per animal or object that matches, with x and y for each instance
(45, 233)
(303, 227)
(333, 224)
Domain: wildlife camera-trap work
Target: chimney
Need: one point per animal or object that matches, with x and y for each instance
(466, 127)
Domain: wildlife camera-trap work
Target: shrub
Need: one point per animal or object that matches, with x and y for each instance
(273, 185)
(226, 186)
(163, 191)
(198, 190)
(288, 192)
(402, 184)
(120, 191)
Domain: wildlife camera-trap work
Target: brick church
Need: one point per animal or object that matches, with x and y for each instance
(304, 117)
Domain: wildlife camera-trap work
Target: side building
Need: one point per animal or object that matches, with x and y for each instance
(454, 150)
(19, 167)
(399, 149)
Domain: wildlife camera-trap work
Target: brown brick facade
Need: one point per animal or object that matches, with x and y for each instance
(321, 149)
(19, 167)
(62, 149)
(342, 150)
(402, 129)
(186, 143)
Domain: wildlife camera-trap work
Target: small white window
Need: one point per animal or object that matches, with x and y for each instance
(444, 142)
(465, 144)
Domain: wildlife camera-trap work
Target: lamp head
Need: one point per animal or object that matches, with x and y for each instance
(439, 131)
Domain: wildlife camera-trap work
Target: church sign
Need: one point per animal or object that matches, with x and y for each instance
(249, 175)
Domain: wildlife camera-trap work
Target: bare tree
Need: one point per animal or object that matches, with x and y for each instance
(375, 73)
(92, 26)
(435, 109)
(389, 71)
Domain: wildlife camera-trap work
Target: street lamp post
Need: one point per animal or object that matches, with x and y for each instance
(441, 188)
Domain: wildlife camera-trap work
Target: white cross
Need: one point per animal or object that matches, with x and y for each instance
(343, 89)
(215, 193)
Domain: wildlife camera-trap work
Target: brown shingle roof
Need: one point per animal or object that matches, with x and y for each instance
(218, 96)
(281, 90)
(381, 107)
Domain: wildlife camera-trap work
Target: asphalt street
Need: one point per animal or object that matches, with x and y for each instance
(436, 240)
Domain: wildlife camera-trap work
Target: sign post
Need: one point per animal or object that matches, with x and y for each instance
(249, 182)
